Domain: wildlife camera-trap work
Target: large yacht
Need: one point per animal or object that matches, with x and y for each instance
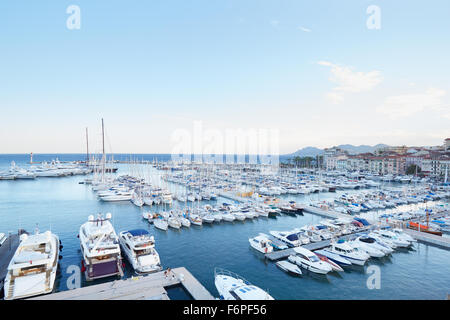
(232, 287)
(32, 270)
(139, 248)
(100, 248)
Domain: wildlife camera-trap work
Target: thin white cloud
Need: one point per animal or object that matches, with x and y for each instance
(349, 81)
(408, 104)
(274, 23)
(304, 29)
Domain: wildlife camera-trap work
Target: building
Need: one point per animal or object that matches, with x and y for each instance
(447, 144)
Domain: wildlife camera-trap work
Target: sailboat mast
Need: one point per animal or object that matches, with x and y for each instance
(103, 147)
(87, 148)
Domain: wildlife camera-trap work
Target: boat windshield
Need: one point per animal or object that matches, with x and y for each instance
(313, 258)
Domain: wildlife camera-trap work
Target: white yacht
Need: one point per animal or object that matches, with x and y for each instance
(195, 219)
(32, 270)
(226, 216)
(139, 248)
(261, 243)
(367, 248)
(289, 237)
(308, 260)
(233, 287)
(160, 223)
(374, 244)
(391, 236)
(100, 248)
(173, 222)
(345, 250)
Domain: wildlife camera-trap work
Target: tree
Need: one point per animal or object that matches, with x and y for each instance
(413, 169)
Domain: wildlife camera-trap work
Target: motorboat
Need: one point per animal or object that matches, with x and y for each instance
(334, 257)
(345, 250)
(391, 236)
(375, 244)
(160, 223)
(233, 287)
(308, 260)
(238, 215)
(383, 241)
(208, 218)
(100, 248)
(402, 235)
(289, 237)
(366, 248)
(289, 267)
(226, 216)
(32, 269)
(139, 248)
(334, 265)
(261, 243)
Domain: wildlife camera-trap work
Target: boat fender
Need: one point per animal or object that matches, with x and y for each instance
(83, 268)
(60, 257)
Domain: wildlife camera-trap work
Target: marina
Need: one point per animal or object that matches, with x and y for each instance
(288, 211)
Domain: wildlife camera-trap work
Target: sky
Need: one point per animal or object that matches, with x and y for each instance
(319, 73)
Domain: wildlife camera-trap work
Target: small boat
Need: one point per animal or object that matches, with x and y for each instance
(289, 267)
(239, 215)
(334, 257)
(184, 221)
(195, 219)
(334, 265)
(391, 236)
(366, 248)
(208, 218)
(289, 237)
(160, 223)
(308, 260)
(374, 243)
(261, 243)
(233, 287)
(174, 223)
(345, 250)
(228, 217)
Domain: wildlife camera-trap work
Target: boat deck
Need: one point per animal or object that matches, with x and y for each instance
(7, 250)
(149, 287)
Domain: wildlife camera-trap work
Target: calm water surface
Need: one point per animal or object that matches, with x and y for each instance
(62, 205)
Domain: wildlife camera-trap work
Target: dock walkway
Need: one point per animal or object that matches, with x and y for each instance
(429, 238)
(149, 287)
(7, 250)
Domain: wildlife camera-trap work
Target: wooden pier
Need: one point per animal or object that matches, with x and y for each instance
(149, 287)
(7, 250)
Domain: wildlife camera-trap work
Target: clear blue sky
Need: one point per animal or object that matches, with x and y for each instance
(311, 69)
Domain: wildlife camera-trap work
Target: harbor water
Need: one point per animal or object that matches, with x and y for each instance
(62, 205)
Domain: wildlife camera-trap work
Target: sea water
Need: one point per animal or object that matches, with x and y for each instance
(62, 205)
